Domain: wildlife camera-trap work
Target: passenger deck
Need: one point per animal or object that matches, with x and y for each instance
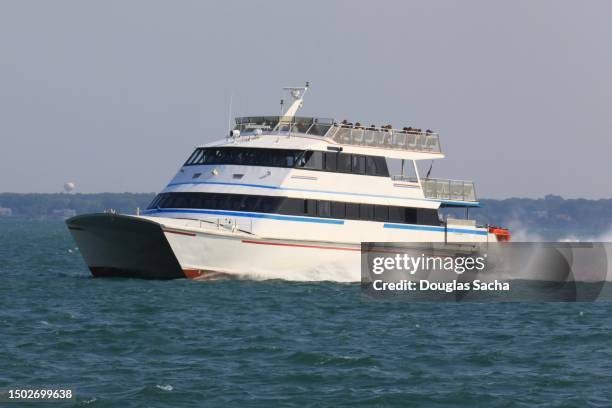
(408, 139)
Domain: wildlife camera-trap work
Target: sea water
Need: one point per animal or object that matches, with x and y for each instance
(134, 343)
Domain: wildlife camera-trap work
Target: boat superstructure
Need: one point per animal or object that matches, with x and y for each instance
(285, 197)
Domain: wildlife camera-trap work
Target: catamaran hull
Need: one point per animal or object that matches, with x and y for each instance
(124, 246)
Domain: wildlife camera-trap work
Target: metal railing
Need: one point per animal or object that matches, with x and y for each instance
(386, 138)
(395, 139)
(410, 179)
(455, 190)
(229, 224)
(296, 124)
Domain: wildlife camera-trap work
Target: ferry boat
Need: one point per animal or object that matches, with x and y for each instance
(284, 197)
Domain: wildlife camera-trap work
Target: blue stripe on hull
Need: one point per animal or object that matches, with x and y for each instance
(429, 228)
(435, 229)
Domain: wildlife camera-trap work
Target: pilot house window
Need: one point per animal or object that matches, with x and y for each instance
(337, 162)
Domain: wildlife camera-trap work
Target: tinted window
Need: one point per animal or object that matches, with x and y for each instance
(381, 213)
(209, 201)
(366, 212)
(330, 161)
(313, 160)
(250, 203)
(344, 163)
(310, 207)
(223, 201)
(358, 164)
(426, 216)
(410, 215)
(370, 166)
(267, 204)
(193, 158)
(376, 166)
(381, 166)
(236, 202)
(155, 201)
(297, 206)
(324, 209)
(396, 214)
(293, 206)
(338, 209)
(181, 201)
(352, 211)
(244, 156)
(195, 201)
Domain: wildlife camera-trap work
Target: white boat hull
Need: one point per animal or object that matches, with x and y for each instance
(168, 248)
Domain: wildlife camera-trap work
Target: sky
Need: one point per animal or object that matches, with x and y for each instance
(113, 95)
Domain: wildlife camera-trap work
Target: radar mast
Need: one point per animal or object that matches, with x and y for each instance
(297, 94)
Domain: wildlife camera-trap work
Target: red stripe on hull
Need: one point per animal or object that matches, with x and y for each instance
(246, 241)
(190, 234)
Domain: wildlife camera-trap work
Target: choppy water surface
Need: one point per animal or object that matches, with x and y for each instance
(121, 342)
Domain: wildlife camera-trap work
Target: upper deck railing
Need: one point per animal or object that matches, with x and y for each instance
(453, 190)
(410, 140)
(443, 189)
(406, 139)
(298, 124)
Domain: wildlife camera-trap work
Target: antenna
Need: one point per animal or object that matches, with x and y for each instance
(229, 114)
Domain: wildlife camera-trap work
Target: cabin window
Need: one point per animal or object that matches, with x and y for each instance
(297, 206)
(344, 163)
(250, 203)
(370, 166)
(313, 160)
(338, 210)
(287, 158)
(381, 213)
(155, 201)
(324, 209)
(396, 214)
(352, 211)
(359, 166)
(292, 206)
(381, 166)
(426, 216)
(191, 159)
(268, 205)
(310, 208)
(193, 201)
(330, 161)
(366, 212)
(410, 215)
(236, 202)
(376, 166)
